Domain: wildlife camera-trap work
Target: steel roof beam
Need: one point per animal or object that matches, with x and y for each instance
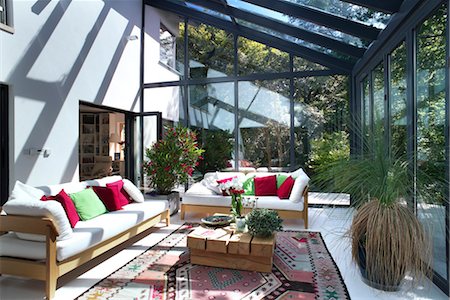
(281, 27)
(312, 55)
(321, 18)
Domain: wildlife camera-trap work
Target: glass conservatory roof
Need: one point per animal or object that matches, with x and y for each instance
(332, 33)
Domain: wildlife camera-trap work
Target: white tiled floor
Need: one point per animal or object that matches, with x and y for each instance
(331, 222)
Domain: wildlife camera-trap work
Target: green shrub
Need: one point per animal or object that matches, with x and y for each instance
(262, 222)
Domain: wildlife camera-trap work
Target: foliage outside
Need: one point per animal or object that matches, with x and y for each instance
(328, 148)
(262, 222)
(172, 159)
(218, 149)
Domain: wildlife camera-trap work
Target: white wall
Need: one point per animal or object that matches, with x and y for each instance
(63, 52)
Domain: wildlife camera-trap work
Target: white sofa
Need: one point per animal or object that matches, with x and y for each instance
(64, 249)
(200, 198)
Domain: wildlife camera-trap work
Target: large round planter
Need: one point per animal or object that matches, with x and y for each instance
(173, 198)
(372, 282)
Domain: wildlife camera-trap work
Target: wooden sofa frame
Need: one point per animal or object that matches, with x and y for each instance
(51, 269)
(209, 210)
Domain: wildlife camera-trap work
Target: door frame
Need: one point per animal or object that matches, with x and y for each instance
(4, 143)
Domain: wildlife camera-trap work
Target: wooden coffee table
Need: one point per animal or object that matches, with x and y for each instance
(223, 247)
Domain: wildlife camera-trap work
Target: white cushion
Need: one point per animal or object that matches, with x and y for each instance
(211, 184)
(69, 188)
(22, 191)
(51, 209)
(103, 181)
(133, 191)
(199, 189)
(301, 181)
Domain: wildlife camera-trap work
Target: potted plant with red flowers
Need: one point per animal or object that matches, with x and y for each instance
(171, 161)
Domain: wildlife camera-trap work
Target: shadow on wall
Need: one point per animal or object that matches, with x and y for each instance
(54, 94)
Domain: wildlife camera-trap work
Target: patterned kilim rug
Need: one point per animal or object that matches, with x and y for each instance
(303, 269)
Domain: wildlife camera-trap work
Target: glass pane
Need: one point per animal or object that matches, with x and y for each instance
(295, 40)
(349, 11)
(397, 96)
(301, 64)
(300, 23)
(378, 99)
(211, 52)
(212, 110)
(366, 114)
(431, 160)
(254, 57)
(321, 121)
(264, 124)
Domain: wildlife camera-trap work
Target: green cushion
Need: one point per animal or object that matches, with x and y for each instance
(249, 186)
(280, 179)
(88, 204)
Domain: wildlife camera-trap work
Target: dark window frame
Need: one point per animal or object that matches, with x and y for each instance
(4, 144)
(6, 13)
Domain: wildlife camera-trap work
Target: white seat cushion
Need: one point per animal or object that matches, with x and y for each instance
(209, 200)
(273, 202)
(86, 233)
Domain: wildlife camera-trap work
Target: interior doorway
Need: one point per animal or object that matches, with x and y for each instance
(4, 144)
(102, 142)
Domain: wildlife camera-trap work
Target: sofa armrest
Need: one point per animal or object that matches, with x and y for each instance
(28, 224)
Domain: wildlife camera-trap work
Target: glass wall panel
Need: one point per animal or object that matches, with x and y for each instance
(212, 111)
(302, 64)
(431, 160)
(254, 57)
(378, 99)
(397, 98)
(163, 99)
(210, 52)
(349, 11)
(366, 111)
(264, 124)
(321, 121)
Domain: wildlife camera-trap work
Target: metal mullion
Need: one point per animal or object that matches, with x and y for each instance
(185, 95)
(291, 111)
(411, 112)
(236, 104)
(251, 77)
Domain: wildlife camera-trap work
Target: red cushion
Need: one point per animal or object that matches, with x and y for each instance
(225, 180)
(68, 206)
(266, 186)
(284, 191)
(123, 195)
(109, 196)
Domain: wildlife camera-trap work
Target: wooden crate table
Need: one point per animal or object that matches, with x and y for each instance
(222, 247)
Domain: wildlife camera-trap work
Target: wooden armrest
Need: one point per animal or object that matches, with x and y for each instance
(28, 224)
